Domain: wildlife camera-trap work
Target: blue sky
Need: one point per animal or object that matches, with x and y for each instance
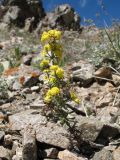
(89, 8)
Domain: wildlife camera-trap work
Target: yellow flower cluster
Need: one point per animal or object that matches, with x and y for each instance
(44, 63)
(50, 35)
(74, 97)
(54, 91)
(59, 72)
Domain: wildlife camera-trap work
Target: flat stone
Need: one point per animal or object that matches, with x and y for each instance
(92, 130)
(67, 155)
(83, 73)
(46, 132)
(103, 155)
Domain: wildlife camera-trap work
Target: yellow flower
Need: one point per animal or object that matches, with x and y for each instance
(77, 101)
(45, 37)
(55, 34)
(46, 77)
(52, 80)
(54, 67)
(53, 91)
(46, 70)
(43, 53)
(74, 97)
(60, 73)
(47, 47)
(44, 63)
(47, 99)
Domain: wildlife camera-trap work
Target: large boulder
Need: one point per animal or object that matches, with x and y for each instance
(63, 17)
(18, 11)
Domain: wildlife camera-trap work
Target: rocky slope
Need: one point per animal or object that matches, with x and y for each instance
(25, 132)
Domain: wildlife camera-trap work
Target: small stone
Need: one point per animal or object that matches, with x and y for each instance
(2, 133)
(103, 72)
(67, 155)
(35, 88)
(6, 65)
(26, 90)
(8, 140)
(27, 59)
(116, 154)
(29, 144)
(51, 153)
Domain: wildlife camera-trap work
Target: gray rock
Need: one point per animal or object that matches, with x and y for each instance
(18, 155)
(64, 17)
(29, 144)
(27, 59)
(46, 132)
(48, 153)
(4, 153)
(6, 64)
(103, 155)
(19, 11)
(2, 134)
(12, 15)
(31, 81)
(92, 130)
(8, 140)
(83, 73)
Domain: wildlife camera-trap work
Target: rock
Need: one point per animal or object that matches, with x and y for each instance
(51, 153)
(104, 100)
(12, 15)
(92, 130)
(35, 88)
(103, 72)
(27, 59)
(67, 155)
(6, 65)
(8, 140)
(84, 75)
(116, 79)
(31, 81)
(29, 144)
(48, 153)
(116, 154)
(19, 11)
(63, 17)
(107, 114)
(15, 146)
(2, 134)
(18, 155)
(103, 155)
(46, 132)
(4, 153)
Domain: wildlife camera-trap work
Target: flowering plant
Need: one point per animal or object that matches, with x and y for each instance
(59, 92)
